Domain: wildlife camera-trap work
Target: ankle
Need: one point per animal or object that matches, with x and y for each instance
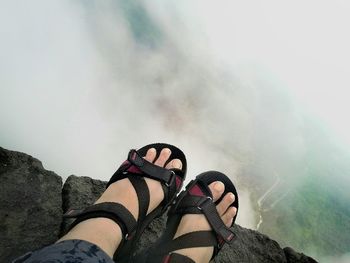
(197, 254)
(121, 192)
(102, 232)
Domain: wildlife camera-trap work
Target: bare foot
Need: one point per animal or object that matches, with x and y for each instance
(104, 232)
(196, 222)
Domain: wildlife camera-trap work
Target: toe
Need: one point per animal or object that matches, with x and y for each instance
(227, 218)
(163, 157)
(176, 163)
(217, 189)
(228, 199)
(151, 155)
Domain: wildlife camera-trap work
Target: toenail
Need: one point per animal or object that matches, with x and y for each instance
(152, 150)
(177, 164)
(232, 196)
(218, 186)
(166, 150)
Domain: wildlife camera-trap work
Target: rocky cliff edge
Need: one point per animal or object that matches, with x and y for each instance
(32, 201)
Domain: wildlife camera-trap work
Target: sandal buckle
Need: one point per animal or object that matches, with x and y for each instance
(203, 201)
(220, 245)
(172, 177)
(177, 201)
(128, 236)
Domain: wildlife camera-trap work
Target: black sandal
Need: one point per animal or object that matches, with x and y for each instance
(196, 199)
(135, 168)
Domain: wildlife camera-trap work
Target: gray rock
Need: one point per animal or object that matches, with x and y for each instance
(151, 234)
(30, 205)
(78, 193)
(295, 257)
(251, 246)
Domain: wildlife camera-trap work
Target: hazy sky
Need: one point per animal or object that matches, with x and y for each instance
(53, 74)
(304, 45)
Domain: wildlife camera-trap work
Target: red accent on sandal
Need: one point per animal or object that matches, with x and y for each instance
(196, 190)
(178, 182)
(230, 237)
(166, 259)
(134, 156)
(134, 169)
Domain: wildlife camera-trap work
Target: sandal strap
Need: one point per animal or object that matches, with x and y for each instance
(189, 240)
(151, 170)
(137, 166)
(143, 195)
(190, 204)
(209, 210)
(114, 211)
(177, 258)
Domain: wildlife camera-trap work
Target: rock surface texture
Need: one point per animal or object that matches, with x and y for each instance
(78, 193)
(30, 204)
(31, 214)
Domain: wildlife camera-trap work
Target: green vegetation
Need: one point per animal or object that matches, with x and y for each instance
(315, 216)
